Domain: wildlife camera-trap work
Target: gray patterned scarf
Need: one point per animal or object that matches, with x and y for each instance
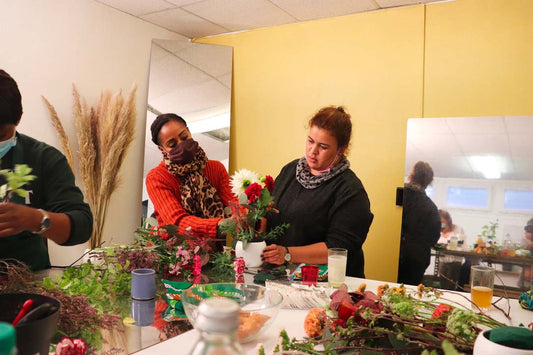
(310, 181)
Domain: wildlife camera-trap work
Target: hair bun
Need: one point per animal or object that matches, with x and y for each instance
(340, 109)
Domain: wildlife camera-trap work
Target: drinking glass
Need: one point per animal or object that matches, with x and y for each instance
(143, 312)
(482, 285)
(337, 258)
(143, 284)
(452, 243)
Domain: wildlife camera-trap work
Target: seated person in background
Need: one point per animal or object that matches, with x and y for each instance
(450, 265)
(186, 188)
(54, 209)
(527, 240)
(420, 225)
(448, 230)
(322, 199)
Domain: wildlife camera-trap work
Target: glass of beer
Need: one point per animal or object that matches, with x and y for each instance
(337, 258)
(482, 285)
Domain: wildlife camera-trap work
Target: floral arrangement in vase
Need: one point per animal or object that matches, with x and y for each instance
(248, 223)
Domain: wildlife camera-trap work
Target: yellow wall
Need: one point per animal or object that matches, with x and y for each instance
(372, 64)
(479, 58)
(462, 58)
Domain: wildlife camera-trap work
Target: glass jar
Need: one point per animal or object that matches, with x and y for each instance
(217, 322)
(452, 243)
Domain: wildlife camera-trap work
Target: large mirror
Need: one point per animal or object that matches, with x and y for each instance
(483, 170)
(194, 81)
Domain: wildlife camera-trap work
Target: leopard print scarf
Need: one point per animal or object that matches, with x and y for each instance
(310, 181)
(198, 196)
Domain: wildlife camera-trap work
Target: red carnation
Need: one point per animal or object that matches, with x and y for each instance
(442, 309)
(253, 192)
(165, 236)
(68, 346)
(269, 183)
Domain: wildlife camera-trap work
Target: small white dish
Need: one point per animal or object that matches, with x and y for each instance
(483, 346)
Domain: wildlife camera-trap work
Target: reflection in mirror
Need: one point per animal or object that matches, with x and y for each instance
(193, 81)
(483, 168)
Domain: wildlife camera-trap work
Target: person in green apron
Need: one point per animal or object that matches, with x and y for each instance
(54, 209)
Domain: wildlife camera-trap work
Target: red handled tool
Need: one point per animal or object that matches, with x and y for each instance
(25, 309)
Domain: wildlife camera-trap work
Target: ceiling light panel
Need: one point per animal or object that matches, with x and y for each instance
(464, 125)
(304, 10)
(138, 7)
(393, 3)
(202, 56)
(184, 23)
(238, 15)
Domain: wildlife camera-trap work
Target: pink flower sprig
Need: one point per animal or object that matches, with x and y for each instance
(175, 248)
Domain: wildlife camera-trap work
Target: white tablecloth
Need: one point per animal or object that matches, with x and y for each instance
(292, 321)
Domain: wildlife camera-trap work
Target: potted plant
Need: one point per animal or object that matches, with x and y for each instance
(247, 226)
(488, 231)
(15, 180)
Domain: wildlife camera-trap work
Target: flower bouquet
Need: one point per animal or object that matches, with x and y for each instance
(180, 254)
(393, 321)
(248, 223)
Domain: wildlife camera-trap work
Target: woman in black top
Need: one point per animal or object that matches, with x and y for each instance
(324, 202)
(420, 225)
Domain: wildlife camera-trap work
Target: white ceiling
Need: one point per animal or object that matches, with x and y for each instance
(191, 79)
(444, 142)
(200, 18)
(448, 143)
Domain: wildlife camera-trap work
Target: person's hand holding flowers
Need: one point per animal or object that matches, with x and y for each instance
(248, 222)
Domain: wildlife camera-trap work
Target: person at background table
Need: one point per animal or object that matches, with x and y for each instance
(322, 199)
(527, 240)
(450, 266)
(448, 230)
(54, 209)
(420, 225)
(186, 188)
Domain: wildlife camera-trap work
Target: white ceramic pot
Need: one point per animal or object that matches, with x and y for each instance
(483, 346)
(252, 253)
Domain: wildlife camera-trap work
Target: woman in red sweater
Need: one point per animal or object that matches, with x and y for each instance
(186, 188)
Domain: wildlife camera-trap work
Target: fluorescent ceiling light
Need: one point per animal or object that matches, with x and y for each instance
(210, 123)
(490, 166)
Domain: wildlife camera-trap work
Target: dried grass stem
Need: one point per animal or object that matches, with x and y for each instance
(104, 134)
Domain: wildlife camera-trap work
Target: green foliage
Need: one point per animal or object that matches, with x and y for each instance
(489, 230)
(449, 349)
(104, 285)
(220, 268)
(462, 323)
(15, 181)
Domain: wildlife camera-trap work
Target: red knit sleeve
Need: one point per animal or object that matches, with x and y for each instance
(218, 176)
(164, 192)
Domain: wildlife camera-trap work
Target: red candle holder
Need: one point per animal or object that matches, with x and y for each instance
(309, 275)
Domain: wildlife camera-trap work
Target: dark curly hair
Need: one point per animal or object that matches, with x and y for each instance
(162, 120)
(10, 100)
